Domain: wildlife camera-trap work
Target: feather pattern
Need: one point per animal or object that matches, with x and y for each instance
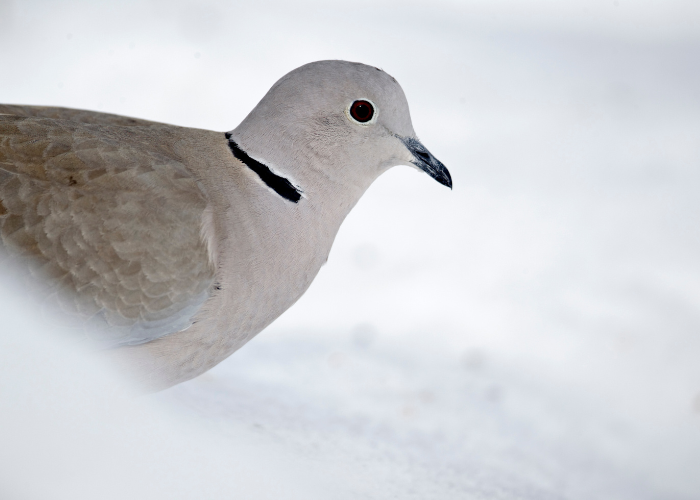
(106, 214)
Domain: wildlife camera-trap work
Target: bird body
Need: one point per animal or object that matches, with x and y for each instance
(177, 245)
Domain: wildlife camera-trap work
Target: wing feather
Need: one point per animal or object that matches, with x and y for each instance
(107, 215)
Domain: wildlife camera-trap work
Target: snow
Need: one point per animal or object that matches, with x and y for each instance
(532, 334)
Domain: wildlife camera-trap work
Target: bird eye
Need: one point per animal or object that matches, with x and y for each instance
(362, 111)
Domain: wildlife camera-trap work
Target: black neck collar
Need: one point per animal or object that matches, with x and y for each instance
(278, 184)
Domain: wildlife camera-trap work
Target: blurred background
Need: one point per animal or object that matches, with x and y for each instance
(534, 333)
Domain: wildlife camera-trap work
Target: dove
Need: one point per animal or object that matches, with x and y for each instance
(175, 246)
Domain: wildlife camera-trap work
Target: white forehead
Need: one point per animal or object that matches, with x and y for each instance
(328, 87)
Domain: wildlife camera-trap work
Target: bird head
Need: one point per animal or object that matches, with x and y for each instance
(335, 125)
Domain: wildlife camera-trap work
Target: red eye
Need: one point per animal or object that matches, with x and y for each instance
(362, 111)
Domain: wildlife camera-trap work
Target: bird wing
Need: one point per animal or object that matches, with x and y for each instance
(74, 115)
(109, 217)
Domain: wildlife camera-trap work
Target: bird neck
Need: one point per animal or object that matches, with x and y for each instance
(329, 181)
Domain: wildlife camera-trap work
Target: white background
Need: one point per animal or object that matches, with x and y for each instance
(534, 333)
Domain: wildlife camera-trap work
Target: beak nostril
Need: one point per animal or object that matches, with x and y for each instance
(423, 155)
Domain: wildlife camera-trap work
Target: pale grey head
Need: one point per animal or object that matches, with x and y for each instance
(337, 124)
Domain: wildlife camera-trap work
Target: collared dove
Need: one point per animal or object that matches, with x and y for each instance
(177, 245)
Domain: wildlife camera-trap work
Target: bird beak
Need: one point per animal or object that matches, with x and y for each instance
(423, 159)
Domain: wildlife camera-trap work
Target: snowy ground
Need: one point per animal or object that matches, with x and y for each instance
(534, 333)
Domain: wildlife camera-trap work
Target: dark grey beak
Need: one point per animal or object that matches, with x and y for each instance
(427, 162)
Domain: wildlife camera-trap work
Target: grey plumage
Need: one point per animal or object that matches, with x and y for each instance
(82, 200)
(179, 250)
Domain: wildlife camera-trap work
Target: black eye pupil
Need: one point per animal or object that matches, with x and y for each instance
(362, 111)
